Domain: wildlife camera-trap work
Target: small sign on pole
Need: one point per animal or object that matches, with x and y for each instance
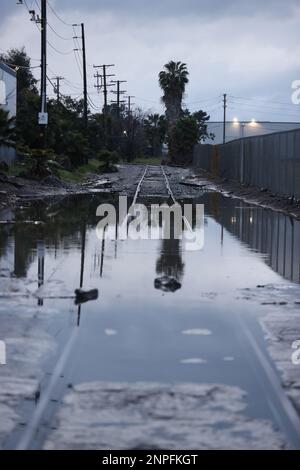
(43, 119)
(2, 353)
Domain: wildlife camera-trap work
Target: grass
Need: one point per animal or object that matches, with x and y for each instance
(78, 174)
(75, 176)
(15, 169)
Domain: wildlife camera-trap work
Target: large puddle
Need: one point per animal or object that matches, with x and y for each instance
(145, 342)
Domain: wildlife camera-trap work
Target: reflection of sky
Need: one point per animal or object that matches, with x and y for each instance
(133, 332)
(215, 269)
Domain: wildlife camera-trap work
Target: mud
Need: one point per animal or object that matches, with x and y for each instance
(255, 196)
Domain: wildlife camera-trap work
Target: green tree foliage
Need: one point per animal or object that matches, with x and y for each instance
(173, 80)
(189, 130)
(109, 159)
(185, 130)
(20, 61)
(155, 131)
(27, 130)
(130, 135)
(7, 131)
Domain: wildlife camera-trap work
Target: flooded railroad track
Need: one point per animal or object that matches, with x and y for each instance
(154, 182)
(139, 352)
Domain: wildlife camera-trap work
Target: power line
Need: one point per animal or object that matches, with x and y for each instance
(57, 16)
(266, 112)
(270, 102)
(58, 35)
(58, 51)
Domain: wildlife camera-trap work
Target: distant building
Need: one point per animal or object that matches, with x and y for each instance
(236, 130)
(8, 101)
(8, 89)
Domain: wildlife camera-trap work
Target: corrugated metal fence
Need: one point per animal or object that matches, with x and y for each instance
(270, 161)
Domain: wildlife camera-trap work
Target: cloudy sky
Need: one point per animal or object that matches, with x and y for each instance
(249, 50)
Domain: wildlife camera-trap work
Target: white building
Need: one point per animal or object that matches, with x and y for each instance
(8, 89)
(8, 101)
(236, 129)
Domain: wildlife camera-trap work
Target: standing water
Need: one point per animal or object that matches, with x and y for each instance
(146, 365)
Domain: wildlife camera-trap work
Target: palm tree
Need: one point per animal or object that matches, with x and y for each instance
(173, 80)
(155, 128)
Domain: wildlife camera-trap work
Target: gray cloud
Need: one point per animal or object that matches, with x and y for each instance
(247, 49)
(175, 8)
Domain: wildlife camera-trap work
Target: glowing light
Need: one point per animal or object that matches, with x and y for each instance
(235, 121)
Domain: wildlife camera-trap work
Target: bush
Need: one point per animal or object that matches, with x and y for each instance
(109, 159)
(39, 164)
(183, 137)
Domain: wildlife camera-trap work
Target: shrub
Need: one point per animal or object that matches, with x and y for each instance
(108, 158)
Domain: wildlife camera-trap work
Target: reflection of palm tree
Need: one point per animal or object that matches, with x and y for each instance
(170, 261)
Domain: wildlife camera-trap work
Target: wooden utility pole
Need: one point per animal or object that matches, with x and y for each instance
(224, 119)
(85, 95)
(84, 75)
(57, 87)
(119, 92)
(43, 116)
(129, 104)
(104, 76)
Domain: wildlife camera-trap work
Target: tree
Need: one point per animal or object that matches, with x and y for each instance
(173, 80)
(7, 131)
(189, 131)
(27, 129)
(155, 130)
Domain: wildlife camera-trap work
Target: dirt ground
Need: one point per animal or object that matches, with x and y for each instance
(183, 181)
(252, 195)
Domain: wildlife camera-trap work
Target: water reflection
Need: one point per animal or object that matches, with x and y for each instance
(64, 227)
(133, 333)
(270, 233)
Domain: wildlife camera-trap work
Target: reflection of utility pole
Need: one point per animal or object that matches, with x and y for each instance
(103, 251)
(116, 240)
(83, 242)
(41, 267)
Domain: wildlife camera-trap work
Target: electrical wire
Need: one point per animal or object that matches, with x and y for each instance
(58, 51)
(57, 34)
(57, 16)
(261, 101)
(265, 112)
(95, 107)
